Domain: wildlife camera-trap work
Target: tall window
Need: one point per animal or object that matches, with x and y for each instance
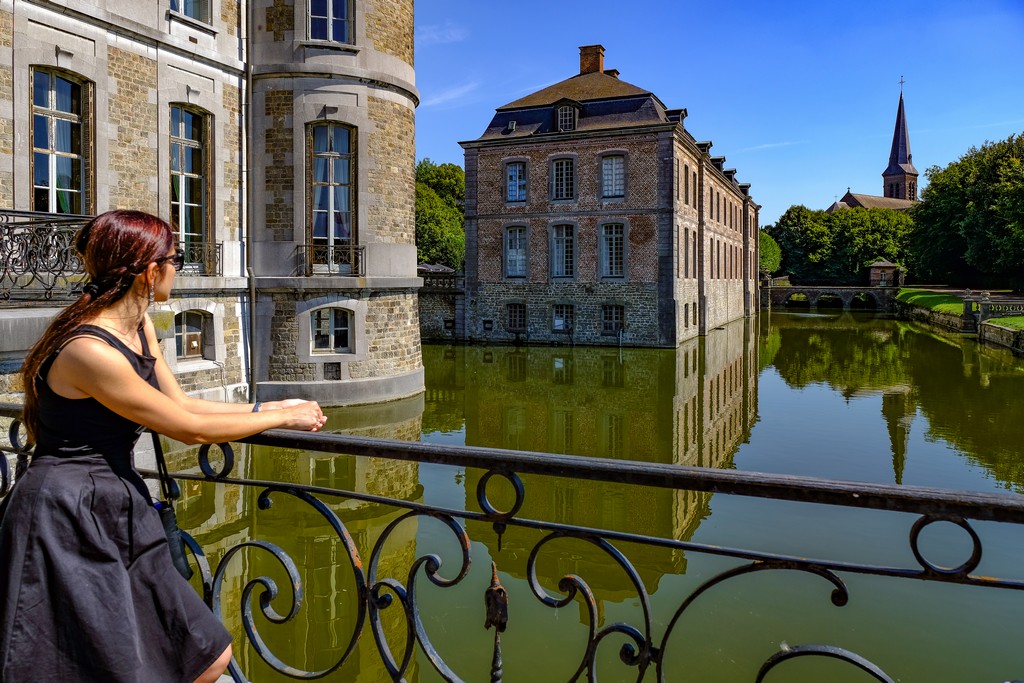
(562, 318)
(515, 252)
(331, 20)
(566, 118)
(613, 318)
(189, 341)
(563, 251)
(196, 9)
(516, 317)
(58, 144)
(332, 179)
(515, 184)
(686, 184)
(563, 180)
(332, 330)
(613, 250)
(613, 177)
(188, 180)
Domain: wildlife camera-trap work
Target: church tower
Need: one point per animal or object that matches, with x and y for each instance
(899, 180)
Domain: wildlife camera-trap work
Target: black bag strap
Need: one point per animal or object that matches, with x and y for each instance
(170, 488)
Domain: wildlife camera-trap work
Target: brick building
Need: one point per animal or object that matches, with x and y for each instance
(593, 216)
(278, 138)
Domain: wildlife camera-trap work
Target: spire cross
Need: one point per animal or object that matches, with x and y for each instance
(901, 83)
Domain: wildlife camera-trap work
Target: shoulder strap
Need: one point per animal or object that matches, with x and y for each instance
(170, 488)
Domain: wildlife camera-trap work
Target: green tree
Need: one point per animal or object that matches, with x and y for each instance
(834, 248)
(971, 218)
(769, 253)
(440, 194)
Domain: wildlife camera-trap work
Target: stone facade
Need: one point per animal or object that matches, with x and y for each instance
(593, 216)
(253, 283)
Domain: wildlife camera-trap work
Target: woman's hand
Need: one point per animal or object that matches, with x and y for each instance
(278, 405)
(300, 415)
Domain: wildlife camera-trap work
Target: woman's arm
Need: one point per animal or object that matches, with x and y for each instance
(169, 386)
(89, 366)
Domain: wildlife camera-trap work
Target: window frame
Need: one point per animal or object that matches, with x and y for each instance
(53, 116)
(182, 337)
(566, 117)
(332, 240)
(333, 326)
(179, 7)
(522, 186)
(348, 22)
(607, 251)
(194, 255)
(605, 194)
(617, 317)
(562, 251)
(563, 184)
(563, 318)
(516, 312)
(524, 236)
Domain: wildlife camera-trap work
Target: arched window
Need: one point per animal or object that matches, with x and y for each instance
(60, 143)
(190, 335)
(331, 330)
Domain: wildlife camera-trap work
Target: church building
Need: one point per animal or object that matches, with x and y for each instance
(899, 179)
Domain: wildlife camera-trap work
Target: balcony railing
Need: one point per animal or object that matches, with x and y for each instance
(203, 258)
(649, 648)
(37, 256)
(333, 259)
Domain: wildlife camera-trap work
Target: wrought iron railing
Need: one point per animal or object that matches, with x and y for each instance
(647, 648)
(37, 256)
(203, 258)
(333, 259)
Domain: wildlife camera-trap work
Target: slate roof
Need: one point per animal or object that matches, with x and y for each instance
(900, 158)
(869, 201)
(604, 102)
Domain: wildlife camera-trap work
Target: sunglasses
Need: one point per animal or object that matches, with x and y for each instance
(177, 260)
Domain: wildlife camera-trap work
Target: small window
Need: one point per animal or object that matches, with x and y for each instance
(516, 317)
(189, 341)
(194, 9)
(515, 252)
(562, 318)
(331, 20)
(331, 329)
(613, 318)
(563, 251)
(613, 250)
(613, 176)
(566, 118)
(515, 183)
(563, 179)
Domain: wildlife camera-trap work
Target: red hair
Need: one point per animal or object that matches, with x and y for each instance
(115, 248)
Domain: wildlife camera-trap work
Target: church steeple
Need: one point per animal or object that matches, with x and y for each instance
(899, 180)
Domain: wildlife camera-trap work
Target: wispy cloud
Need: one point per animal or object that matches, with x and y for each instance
(450, 95)
(439, 34)
(771, 145)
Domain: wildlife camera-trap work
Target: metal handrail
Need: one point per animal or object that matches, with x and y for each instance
(644, 650)
(330, 259)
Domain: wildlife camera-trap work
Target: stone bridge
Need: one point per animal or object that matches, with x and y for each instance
(877, 298)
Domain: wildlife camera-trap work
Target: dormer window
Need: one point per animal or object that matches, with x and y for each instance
(566, 118)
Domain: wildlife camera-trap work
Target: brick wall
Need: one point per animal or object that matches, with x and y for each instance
(6, 124)
(391, 173)
(279, 183)
(393, 336)
(389, 26)
(133, 117)
(280, 19)
(230, 153)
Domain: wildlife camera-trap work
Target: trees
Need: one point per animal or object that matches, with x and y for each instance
(971, 218)
(440, 193)
(769, 254)
(834, 248)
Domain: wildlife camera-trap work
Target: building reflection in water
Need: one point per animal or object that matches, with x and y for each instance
(689, 406)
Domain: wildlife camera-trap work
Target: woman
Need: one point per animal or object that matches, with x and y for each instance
(87, 588)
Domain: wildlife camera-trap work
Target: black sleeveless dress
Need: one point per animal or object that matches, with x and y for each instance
(87, 588)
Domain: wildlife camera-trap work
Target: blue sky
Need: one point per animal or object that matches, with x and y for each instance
(800, 97)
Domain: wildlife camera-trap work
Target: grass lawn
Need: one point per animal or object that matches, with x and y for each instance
(935, 301)
(1015, 322)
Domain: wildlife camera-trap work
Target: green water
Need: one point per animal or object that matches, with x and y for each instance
(843, 397)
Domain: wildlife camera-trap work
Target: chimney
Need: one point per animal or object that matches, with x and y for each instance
(591, 59)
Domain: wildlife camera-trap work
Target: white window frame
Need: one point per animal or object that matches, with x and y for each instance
(565, 118)
(193, 9)
(189, 178)
(515, 184)
(563, 251)
(613, 251)
(517, 256)
(333, 320)
(54, 154)
(613, 176)
(333, 190)
(328, 23)
(563, 318)
(563, 179)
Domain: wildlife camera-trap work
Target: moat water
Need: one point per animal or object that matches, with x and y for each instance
(838, 396)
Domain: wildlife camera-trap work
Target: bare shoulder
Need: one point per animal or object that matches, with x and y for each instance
(83, 362)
